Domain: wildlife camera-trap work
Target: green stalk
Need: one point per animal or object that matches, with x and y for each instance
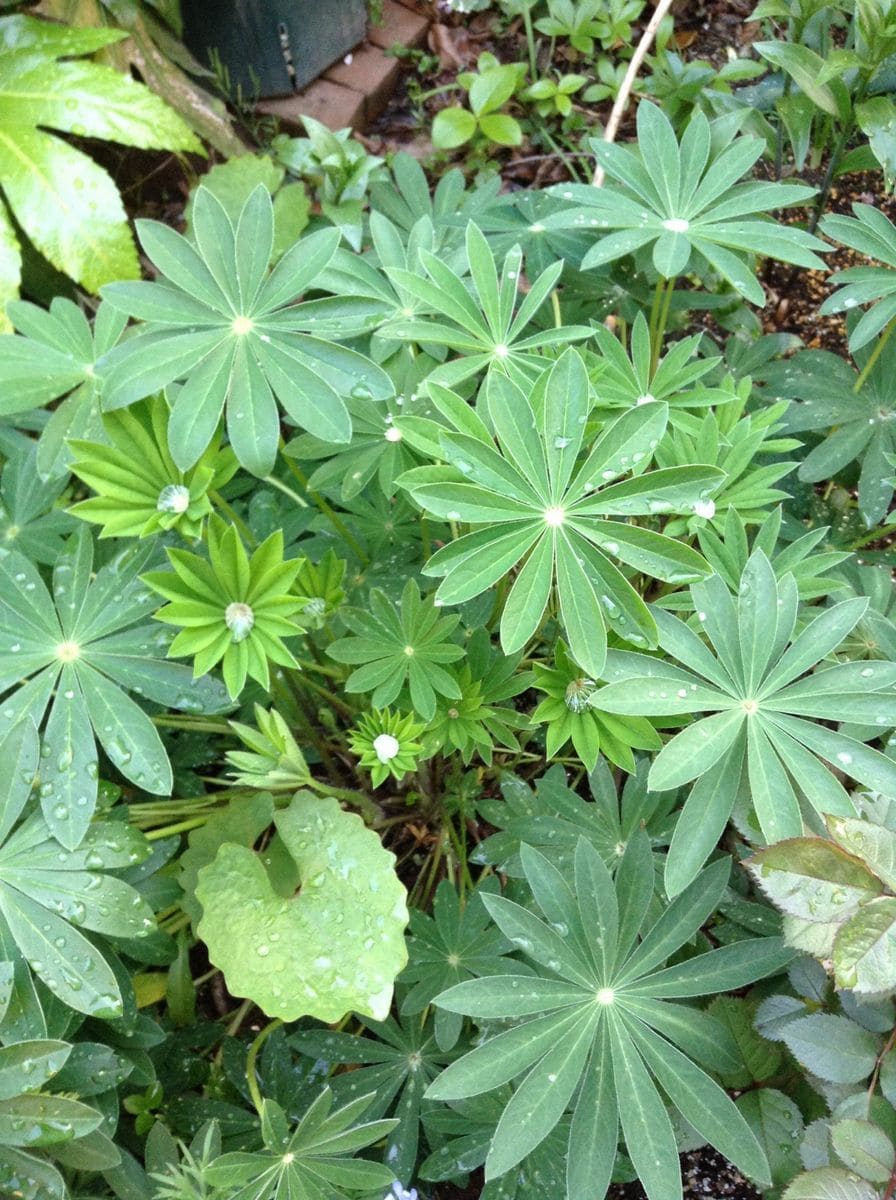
(555, 305)
(251, 1078)
(176, 722)
(155, 835)
(837, 154)
(874, 356)
(330, 697)
(232, 515)
(659, 315)
(333, 517)
(287, 491)
(530, 42)
(358, 800)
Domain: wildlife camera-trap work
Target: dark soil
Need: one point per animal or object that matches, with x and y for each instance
(704, 1173)
(795, 295)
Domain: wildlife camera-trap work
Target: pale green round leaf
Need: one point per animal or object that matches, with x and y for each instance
(335, 947)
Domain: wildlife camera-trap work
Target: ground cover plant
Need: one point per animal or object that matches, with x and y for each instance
(448, 634)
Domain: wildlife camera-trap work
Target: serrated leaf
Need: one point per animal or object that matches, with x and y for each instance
(777, 1124)
(832, 1047)
(865, 948)
(813, 879)
(864, 1148)
(830, 1183)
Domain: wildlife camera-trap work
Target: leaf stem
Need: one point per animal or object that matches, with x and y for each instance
(659, 315)
(837, 153)
(287, 491)
(224, 505)
(251, 1077)
(335, 520)
(874, 356)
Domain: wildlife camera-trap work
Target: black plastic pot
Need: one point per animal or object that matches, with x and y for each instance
(273, 47)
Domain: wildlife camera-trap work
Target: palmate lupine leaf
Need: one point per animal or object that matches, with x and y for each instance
(53, 356)
(685, 199)
(75, 656)
(762, 737)
(457, 942)
(629, 377)
(601, 1035)
(219, 320)
(873, 235)
(315, 1161)
(233, 608)
(728, 555)
(396, 648)
(48, 892)
(736, 443)
(856, 426)
(554, 817)
(395, 1064)
(30, 520)
(529, 497)
(139, 489)
(482, 323)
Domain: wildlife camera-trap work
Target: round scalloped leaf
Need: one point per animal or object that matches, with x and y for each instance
(333, 948)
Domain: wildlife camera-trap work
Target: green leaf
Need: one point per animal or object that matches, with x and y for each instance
(67, 205)
(812, 879)
(877, 120)
(26, 1066)
(874, 844)
(705, 1105)
(696, 749)
(540, 1100)
(452, 127)
(832, 1047)
(501, 128)
(830, 1183)
(864, 1148)
(760, 1057)
(865, 948)
(295, 957)
(777, 1125)
(649, 1138)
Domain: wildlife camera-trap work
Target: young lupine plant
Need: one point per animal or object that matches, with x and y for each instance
(487, 330)
(314, 1159)
(569, 715)
(398, 648)
(233, 608)
(140, 490)
(531, 500)
(219, 320)
(762, 744)
(684, 199)
(631, 378)
(54, 357)
(593, 1028)
(388, 744)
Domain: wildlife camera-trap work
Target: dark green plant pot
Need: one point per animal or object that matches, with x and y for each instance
(273, 47)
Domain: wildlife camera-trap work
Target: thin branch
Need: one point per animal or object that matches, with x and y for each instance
(628, 82)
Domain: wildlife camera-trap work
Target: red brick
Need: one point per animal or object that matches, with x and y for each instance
(371, 72)
(400, 26)
(336, 106)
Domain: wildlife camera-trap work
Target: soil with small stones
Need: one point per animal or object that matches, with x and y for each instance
(704, 1172)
